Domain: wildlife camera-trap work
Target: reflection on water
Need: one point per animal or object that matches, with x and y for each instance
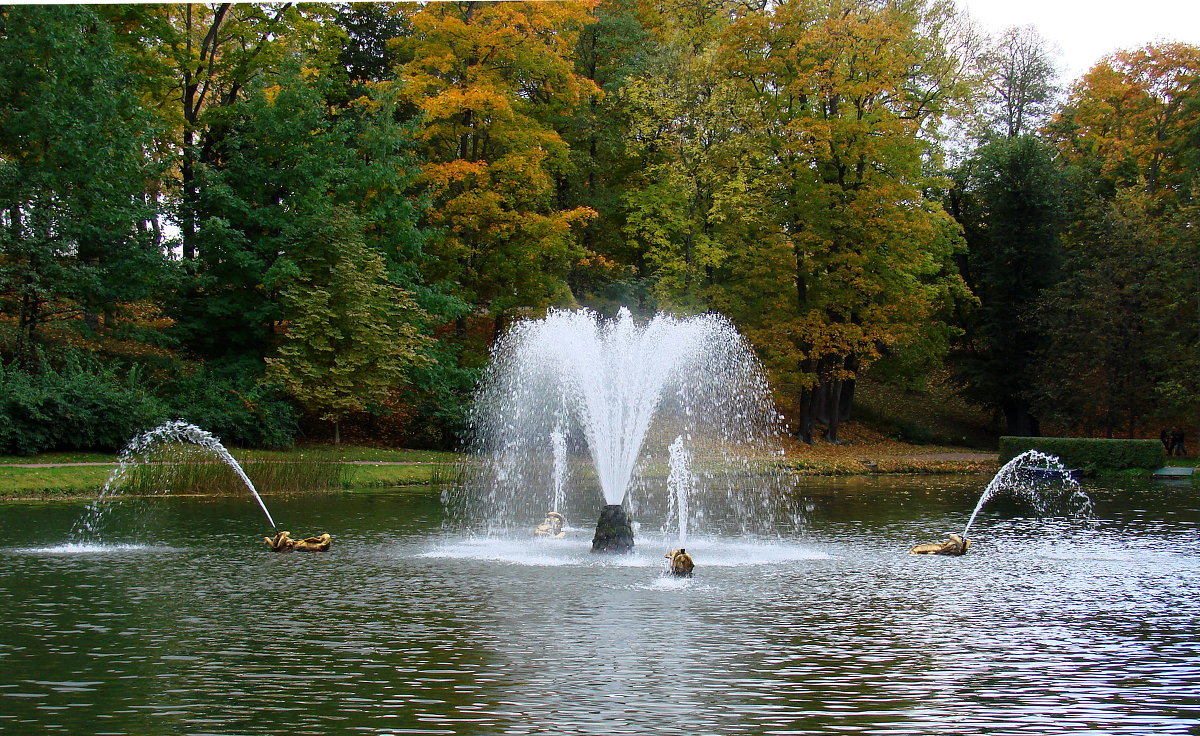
(1049, 625)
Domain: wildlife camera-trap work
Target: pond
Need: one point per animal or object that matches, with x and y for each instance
(186, 624)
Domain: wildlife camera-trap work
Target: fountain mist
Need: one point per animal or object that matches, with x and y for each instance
(143, 449)
(617, 393)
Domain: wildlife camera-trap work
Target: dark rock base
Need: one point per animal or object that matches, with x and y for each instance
(613, 531)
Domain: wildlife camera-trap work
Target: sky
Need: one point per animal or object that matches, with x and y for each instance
(1086, 30)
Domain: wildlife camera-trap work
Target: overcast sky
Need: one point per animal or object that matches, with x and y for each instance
(1086, 30)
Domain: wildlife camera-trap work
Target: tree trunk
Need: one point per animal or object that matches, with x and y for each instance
(804, 421)
(1019, 420)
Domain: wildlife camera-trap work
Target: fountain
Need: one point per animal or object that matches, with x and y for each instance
(679, 484)
(619, 394)
(1030, 474)
(142, 450)
(558, 444)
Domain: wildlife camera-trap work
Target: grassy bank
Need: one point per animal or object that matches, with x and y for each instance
(84, 474)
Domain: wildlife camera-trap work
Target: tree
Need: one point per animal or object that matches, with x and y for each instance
(486, 77)
(613, 51)
(1011, 206)
(1125, 118)
(681, 128)
(350, 336)
(73, 167)
(286, 160)
(1127, 132)
(1124, 347)
(1021, 73)
(840, 103)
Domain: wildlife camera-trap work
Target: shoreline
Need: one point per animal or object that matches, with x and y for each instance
(66, 480)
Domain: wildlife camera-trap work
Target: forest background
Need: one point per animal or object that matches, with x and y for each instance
(297, 221)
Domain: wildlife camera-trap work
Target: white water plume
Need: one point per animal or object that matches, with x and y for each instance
(616, 392)
(1034, 476)
(679, 484)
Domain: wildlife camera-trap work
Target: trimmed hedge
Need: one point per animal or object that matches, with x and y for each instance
(1090, 455)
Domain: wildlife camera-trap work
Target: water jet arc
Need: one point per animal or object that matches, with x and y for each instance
(141, 448)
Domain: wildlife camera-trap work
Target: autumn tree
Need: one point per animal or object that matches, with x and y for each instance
(839, 102)
(1125, 120)
(486, 77)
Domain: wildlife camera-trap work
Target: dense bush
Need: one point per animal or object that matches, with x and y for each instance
(239, 409)
(1089, 454)
(87, 405)
(82, 405)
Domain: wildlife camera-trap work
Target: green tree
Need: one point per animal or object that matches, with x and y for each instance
(1124, 347)
(680, 129)
(1011, 206)
(351, 336)
(613, 51)
(286, 159)
(1126, 133)
(74, 249)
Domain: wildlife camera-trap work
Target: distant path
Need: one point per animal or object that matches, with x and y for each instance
(52, 465)
(971, 457)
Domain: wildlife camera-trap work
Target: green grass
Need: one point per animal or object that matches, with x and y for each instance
(60, 457)
(306, 469)
(23, 482)
(346, 453)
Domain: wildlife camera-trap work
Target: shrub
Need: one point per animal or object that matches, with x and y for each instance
(84, 405)
(1090, 455)
(240, 410)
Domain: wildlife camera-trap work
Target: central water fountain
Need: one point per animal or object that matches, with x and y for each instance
(583, 411)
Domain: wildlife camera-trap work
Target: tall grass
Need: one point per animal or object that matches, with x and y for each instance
(453, 474)
(183, 468)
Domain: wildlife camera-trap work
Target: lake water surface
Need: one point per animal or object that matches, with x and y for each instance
(182, 622)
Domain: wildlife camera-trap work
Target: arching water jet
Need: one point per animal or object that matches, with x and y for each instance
(1031, 475)
(141, 450)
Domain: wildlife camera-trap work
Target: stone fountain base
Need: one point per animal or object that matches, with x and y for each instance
(613, 531)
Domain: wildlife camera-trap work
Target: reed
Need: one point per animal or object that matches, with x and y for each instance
(450, 474)
(182, 468)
